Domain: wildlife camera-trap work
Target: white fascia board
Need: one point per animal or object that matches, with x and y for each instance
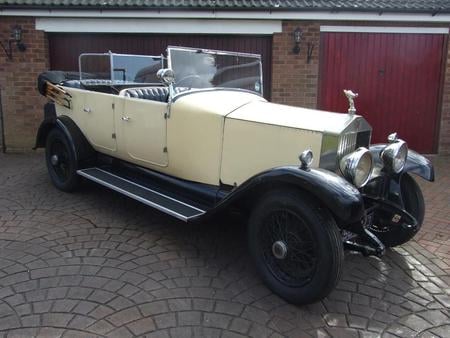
(402, 30)
(242, 15)
(183, 26)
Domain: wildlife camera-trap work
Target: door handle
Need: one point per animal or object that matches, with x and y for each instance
(87, 109)
(125, 118)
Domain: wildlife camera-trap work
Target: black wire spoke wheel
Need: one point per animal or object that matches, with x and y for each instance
(296, 245)
(61, 161)
(288, 247)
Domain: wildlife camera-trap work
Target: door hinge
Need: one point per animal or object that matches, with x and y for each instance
(113, 135)
(167, 113)
(113, 106)
(165, 150)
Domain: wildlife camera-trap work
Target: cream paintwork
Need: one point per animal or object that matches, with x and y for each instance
(294, 117)
(250, 148)
(99, 121)
(194, 130)
(195, 133)
(143, 131)
(211, 136)
(96, 125)
(268, 135)
(77, 105)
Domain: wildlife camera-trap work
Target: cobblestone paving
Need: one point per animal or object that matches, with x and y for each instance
(435, 236)
(95, 263)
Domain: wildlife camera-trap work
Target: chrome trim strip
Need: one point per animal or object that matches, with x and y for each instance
(135, 197)
(148, 189)
(213, 51)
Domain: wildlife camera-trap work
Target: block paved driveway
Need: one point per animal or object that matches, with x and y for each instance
(95, 263)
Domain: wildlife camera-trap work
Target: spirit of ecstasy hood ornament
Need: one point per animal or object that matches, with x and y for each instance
(351, 103)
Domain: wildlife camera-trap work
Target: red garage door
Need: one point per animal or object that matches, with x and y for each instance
(65, 48)
(397, 76)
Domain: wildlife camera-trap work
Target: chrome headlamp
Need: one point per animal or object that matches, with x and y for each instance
(357, 166)
(394, 156)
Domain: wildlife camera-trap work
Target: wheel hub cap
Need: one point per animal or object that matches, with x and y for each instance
(279, 250)
(54, 159)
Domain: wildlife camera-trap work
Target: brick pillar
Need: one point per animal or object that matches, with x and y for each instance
(21, 102)
(294, 81)
(444, 135)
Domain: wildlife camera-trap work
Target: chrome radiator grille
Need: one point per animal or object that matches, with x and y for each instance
(347, 143)
(334, 147)
(351, 141)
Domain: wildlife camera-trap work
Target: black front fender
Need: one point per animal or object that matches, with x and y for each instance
(415, 163)
(332, 191)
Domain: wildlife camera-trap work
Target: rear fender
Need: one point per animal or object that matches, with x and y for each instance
(82, 149)
(46, 125)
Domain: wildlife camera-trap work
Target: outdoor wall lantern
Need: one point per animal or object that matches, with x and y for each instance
(297, 40)
(16, 36)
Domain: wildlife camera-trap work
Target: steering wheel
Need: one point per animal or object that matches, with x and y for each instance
(189, 80)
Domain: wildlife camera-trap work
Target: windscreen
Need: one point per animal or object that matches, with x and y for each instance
(120, 68)
(135, 68)
(215, 69)
(95, 66)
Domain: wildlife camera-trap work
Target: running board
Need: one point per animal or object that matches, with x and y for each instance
(150, 197)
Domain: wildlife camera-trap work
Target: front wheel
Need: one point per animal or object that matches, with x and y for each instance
(414, 204)
(296, 245)
(61, 161)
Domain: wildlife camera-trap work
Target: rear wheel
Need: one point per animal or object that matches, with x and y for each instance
(61, 161)
(296, 245)
(414, 204)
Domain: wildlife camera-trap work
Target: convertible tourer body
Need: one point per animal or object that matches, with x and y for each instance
(191, 135)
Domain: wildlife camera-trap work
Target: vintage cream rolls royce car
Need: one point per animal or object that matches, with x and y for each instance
(191, 135)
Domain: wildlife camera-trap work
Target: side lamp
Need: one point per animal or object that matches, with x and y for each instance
(298, 35)
(16, 37)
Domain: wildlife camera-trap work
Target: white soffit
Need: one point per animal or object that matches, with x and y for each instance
(241, 15)
(403, 30)
(178, 26)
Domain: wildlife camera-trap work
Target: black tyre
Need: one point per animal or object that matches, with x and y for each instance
(296, 245)
(61, 161)
(414, 204)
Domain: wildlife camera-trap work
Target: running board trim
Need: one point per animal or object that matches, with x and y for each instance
(147, 196)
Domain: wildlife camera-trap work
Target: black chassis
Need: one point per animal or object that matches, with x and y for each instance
(352, 209)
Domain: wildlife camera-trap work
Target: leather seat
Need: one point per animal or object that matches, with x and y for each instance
(72, 83)
(96, 82)
(149, 93)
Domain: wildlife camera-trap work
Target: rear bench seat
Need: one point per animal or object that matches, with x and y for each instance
(160, 94)
(147, 93)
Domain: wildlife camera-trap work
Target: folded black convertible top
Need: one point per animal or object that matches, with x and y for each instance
(55, 77)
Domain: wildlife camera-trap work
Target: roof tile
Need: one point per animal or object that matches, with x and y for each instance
(300, 5)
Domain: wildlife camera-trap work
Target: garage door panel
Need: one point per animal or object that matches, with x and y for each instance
(397, 76)
(65, 48)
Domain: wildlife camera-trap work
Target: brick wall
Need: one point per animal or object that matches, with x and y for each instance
(295, 82)
(444, 136)
(21, 102)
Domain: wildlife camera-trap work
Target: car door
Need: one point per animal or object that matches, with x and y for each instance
(99, 120)
(143, 131)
